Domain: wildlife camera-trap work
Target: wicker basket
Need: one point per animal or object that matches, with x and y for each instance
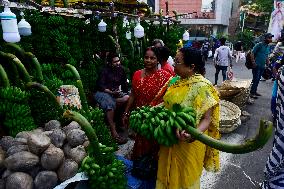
(236, 92)
(230, 117)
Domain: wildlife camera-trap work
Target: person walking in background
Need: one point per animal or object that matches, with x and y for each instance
(222, 59)
(260, 58)
(216, 44)
(239, 49)
(205, 49)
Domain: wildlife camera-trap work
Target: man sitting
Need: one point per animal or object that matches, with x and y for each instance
(112, 92)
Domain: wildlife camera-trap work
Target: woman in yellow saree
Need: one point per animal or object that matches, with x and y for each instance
(180, 166)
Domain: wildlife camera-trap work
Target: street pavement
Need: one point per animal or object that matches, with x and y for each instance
(242, 171)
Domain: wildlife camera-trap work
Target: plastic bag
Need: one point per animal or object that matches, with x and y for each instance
(77, 177)
(230, 74)
(242, 57)
(210, 54)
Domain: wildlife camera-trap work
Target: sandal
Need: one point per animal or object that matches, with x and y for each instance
(120, 140)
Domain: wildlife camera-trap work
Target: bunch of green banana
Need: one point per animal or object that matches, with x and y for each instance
(13, 94)
(110, 176)
(96, 117)
(165, 132)
(140, 120)
(161, 124)
(103, 172)
(15, 108)
(55, 21)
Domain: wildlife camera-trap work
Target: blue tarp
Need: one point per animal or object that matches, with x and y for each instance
(132, 182)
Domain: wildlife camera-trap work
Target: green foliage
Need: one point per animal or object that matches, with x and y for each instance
(265, 5)
(67, 40)
(15, 110)
(247, 38)
(97, 120)
(43, 110)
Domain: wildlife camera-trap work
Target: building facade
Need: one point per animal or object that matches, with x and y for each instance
(206, 16)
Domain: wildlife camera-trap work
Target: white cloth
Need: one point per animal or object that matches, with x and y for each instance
(278, 50)
(77, 177)
(171, 60)
(223, 56)
(276, 22)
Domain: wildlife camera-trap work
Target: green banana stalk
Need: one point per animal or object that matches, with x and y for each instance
(4, 81)
(14, 74)
(36, 65)
(115, 44)
(65, 3)
(20, 67)
(80, 86)
(88, 129)
(52, 3)
(74, 71)
(19, 52)
(44, 89)
(264, 133)
(132, 51)
(26, 57)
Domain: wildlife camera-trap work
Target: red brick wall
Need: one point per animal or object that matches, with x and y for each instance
(184, 6)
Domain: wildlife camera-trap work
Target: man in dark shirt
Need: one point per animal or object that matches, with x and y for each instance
(260, 57)
(112, 90)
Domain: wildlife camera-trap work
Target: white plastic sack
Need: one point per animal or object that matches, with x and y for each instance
(242, 57)
(77, 177)
(210, 54)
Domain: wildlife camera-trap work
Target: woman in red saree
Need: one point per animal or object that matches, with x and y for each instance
(146, 84)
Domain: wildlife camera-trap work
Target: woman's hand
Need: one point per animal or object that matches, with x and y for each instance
(184, 136)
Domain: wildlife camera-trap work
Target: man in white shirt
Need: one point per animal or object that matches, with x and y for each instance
(222, 59)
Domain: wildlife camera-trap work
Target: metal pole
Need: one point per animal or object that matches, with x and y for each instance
(167, 15)
(243, 24)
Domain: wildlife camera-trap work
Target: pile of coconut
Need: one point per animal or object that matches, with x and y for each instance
(42, 158)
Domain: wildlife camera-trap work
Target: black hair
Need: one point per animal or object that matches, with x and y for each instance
(193, 56)
(110, 56)
(156, 41)
(223, 40)
(163, 53)
(154, 49)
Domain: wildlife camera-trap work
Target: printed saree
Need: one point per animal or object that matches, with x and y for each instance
(144, 90)
(181, 165)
